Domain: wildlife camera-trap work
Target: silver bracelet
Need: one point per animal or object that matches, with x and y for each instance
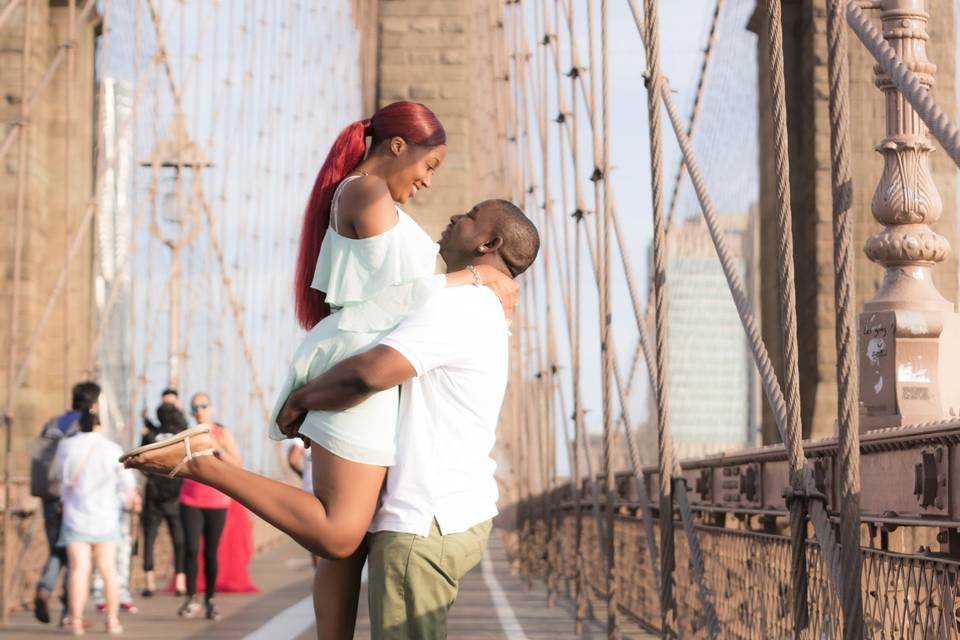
(477, 282)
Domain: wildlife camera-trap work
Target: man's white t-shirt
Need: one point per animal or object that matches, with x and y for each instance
(458, 345)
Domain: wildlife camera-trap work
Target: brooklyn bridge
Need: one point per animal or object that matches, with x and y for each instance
(729, 410)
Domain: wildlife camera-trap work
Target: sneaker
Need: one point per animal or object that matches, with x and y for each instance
(147, 593)
(190, 608)
(40, 609)
(101, 607)
(129, 607)
(212, 612)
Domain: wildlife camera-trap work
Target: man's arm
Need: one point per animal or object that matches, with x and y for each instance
(346, 385)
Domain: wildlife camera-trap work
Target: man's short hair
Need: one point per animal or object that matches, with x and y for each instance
(85, 395)
(521, 240)
(169, 391)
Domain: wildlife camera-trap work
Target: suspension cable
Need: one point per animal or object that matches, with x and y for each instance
(847, 374)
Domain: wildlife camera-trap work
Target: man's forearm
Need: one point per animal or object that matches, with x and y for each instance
(340, 388)
(352, 381)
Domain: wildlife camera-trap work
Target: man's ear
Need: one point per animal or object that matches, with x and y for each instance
(490, 246)
(397, 145)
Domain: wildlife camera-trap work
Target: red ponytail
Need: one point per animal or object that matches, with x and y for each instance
(408, 120)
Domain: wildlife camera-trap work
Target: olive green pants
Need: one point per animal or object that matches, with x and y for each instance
(413, 580)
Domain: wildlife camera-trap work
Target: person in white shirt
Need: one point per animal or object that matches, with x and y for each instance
(94, 488)
(436, 508)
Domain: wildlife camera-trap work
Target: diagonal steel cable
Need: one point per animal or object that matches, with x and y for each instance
(697, 101)
(906, 81)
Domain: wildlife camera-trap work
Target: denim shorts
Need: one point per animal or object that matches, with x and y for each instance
(69, 536)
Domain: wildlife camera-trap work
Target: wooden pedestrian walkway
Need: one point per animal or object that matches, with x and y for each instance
(492, 604)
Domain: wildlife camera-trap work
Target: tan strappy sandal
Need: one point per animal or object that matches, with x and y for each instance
(183, 436)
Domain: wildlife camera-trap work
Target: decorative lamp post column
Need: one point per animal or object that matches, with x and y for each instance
(907, 331)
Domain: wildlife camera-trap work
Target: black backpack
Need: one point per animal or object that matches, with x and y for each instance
(43, 451)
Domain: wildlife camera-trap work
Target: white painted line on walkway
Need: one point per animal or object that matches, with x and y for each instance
(508, 620)
(289, 623)
(293, 620)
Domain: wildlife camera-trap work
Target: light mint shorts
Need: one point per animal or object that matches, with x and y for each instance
(365, 433)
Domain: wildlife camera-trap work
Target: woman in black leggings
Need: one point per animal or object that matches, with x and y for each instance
(161, 500)
(203, 511)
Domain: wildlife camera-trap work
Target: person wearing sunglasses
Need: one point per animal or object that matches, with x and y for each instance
(203, 511)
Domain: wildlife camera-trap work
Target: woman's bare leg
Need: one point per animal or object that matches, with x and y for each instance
(336, 593)
(336, 583)
(105, 559)
(78, 557)
(331, 525)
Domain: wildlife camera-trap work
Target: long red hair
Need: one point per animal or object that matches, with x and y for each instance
(413, 122)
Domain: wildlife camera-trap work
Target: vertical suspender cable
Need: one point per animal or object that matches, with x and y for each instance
(68, 132)
(605, 336)
(788, 314)
(668, 607)
(6, 552)
(847, 385)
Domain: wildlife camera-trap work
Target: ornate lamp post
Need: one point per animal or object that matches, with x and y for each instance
(908, 329)
(180, 221)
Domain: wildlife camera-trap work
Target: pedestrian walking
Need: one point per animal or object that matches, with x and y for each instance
(161, 501)
(94, 489)
(45, 485)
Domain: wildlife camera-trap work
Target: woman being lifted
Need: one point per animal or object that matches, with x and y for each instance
(363, 266)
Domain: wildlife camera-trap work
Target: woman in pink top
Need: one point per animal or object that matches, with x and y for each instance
(203, 511)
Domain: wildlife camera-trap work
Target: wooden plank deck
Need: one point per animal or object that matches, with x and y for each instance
(492, 604)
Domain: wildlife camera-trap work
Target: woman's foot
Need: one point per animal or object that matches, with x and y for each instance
(180, 584)
(190, 608)
(114, 628)
(212, 612)
(75, 625)
(147, 593)
(177, 455)
(66, 622)
(129, 607)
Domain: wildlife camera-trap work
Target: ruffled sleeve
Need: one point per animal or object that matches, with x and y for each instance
(377, 281)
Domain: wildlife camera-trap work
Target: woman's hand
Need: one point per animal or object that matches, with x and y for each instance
(503, 286)
(289, 419)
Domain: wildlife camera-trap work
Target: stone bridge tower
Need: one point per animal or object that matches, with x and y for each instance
(51, 191)
(443, 53)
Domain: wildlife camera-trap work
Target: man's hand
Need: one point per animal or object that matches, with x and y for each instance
(290, 417)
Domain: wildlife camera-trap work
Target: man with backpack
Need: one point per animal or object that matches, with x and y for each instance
(45, 485)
